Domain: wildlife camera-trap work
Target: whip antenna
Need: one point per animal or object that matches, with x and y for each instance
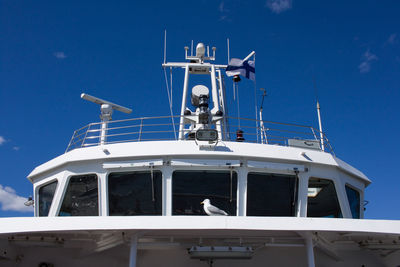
(321, 135)
(165, 46)
(227, 44)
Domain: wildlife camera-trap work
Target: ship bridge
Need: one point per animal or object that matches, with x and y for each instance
(168, 165)
(162, 169)
(168, 178)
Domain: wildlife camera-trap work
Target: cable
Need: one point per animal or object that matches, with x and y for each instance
(170, 102)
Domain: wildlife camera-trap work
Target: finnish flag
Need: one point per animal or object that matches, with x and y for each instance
(245, 68)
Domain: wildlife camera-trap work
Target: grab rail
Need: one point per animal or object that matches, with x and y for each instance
(161, 128)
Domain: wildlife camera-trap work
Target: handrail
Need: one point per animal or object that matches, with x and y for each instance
(161, 128)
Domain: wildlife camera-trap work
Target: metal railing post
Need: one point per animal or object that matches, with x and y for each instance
(140, 129)
(120, 131)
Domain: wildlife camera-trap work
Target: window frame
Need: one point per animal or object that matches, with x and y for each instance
(66, 183)
(338, 196)
(260, 172)
(209, 169)
(130, 170)
(348, 202)
(37, 199)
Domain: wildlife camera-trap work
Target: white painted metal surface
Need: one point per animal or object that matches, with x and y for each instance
(164, 240)
(143, 223)
(189, 149)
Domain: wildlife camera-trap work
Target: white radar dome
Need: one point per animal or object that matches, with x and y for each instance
(200, 50)
(197, 91)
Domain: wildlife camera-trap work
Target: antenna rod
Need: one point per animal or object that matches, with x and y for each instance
(165, 46)
(227, 42)
(321, 135)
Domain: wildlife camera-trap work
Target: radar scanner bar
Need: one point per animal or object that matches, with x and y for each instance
(101, 102)
(106, 109)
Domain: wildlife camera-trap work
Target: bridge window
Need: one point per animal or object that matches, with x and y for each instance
(135, 193)
(81, 197)
(322, 199)
(190, 188)
(354, 201)
(46, 194)
(271, 194)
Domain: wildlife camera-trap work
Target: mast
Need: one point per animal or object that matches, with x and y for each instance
(262, 128)
(203, 117)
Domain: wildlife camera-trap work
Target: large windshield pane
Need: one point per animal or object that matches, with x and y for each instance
(322, 199)
(135, 193)
(81, 198)
(354, 201)
(46, 194)
(190, 188)
(271, 194)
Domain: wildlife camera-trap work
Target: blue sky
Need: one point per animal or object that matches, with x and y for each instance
(51, 51)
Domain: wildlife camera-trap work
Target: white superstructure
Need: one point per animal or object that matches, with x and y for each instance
(129, 193)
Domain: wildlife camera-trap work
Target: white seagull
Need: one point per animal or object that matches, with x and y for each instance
(212, 210)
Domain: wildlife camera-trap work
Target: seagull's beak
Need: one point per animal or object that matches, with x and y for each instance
(202, 202)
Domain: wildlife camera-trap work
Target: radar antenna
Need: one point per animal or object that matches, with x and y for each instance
(106, 109)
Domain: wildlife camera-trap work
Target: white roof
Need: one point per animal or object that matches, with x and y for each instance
(189, 149)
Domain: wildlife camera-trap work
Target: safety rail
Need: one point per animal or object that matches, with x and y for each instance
(167, 127)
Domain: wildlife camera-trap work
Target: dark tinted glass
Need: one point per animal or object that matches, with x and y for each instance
(322, 199)
(81, 198)
(46, 194)
(189, 188)
(271, 194)
(135, 193)
(354, 201)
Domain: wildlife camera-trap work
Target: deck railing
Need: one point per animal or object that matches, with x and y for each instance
(167, 127)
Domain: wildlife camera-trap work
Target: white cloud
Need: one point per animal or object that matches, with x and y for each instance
(2, 140)
(16, 148)
(224, 12)
(364, 67)
(392, 39)
(221, 7)
(367, 58)
(60, 55)
(10, 201)
(223, 17)
(278, 6)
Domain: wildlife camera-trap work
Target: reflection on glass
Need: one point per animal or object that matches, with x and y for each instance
(271, 194)
(135, 193)
(46, 194)
(322, 199)
(81, 198)
(354, 201)
(189, 188)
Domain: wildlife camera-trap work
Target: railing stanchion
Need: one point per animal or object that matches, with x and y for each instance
(140, 129)
(70, 142)
(133, 130)
(84, 138)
